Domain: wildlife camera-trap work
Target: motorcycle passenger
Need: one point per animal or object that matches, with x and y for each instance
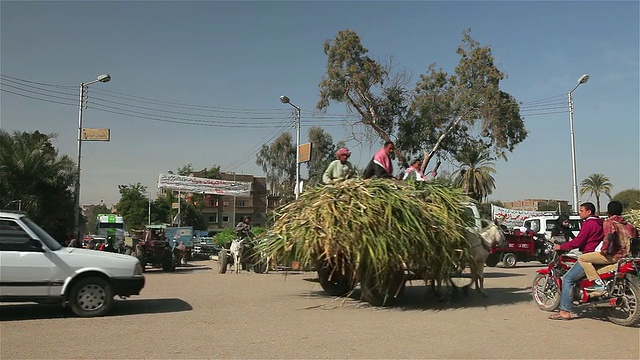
(340, 169)
(617, 233)
(587, 240)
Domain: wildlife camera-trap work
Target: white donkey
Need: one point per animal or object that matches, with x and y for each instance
(491, 235)
(236, 251)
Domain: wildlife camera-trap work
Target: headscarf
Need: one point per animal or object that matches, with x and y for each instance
(343, 151)
(381, 158)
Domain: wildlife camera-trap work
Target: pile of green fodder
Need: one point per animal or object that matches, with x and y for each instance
(633, 217)
(375, 226)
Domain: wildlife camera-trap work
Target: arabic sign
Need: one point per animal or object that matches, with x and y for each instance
(93, 134)
(196, 185)
(305, 152)
(512, 218)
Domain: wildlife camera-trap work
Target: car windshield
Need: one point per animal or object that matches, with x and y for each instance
(50, 242)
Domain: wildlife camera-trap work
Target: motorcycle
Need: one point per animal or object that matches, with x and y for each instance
(621, 297)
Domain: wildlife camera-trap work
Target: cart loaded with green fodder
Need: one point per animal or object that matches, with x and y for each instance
(378, 233)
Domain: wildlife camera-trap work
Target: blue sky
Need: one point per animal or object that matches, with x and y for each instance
(238, 58)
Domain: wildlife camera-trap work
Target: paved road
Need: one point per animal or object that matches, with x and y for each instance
(203, 314)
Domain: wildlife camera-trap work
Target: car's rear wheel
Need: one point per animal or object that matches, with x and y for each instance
(91, 296)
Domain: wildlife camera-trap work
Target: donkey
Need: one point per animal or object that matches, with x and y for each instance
(236, 252)
(481, 244)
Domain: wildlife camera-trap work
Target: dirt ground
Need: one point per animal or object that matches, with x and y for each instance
(198, 313)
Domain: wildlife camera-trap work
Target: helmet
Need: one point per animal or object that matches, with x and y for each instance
(343, 151)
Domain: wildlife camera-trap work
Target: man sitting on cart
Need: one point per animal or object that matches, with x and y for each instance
(243, 229)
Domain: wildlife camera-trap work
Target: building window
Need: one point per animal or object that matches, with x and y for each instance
(240, 203)
(225, 218)
(213, 218)
(225, 203)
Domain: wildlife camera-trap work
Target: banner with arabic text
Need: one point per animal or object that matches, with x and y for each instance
(512, 218)
(196, 185)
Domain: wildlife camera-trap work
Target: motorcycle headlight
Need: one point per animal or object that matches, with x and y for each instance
(137, 270)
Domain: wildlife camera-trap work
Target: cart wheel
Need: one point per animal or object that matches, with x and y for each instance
(509, 260)
(335, 283)
(260, 267)
(377, 295)
(222, 262)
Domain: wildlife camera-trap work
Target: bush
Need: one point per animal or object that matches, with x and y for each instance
(225, 237)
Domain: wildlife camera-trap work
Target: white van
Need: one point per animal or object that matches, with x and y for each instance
(542, 225)
(34, 267)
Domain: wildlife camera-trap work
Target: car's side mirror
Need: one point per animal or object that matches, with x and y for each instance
(35, 245)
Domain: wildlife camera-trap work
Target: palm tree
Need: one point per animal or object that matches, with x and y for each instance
(32, 171)
(596, 184)
(474, 173)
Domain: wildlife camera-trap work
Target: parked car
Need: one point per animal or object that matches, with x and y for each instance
(34, 267)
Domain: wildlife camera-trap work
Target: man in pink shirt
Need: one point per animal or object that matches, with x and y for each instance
(591, 233)
(589, 237)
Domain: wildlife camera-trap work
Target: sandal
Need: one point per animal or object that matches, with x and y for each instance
(557, 316)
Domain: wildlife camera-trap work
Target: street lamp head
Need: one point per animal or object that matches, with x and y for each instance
(284, 99)
(583, 79)
(104, 78)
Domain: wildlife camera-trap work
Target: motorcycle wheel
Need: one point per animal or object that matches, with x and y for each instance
(545, 294)
(628, 313)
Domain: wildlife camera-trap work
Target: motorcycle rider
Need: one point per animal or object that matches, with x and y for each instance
(617, 233)
(589, 237)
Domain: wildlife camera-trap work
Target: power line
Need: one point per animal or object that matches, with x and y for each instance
(181, 104)
(36, 92)
(275, 132)
(544, 99)
(35, 98)
(38, 83)
(36, 87)
(547, 113)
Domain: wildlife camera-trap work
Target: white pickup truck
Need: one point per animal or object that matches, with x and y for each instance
(34, 267)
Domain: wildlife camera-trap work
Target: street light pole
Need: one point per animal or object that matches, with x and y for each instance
(149, 215)
(83, 88)
(285, 100)
(583, 79)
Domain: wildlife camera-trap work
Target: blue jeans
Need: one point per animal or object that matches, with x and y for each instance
(568, 281)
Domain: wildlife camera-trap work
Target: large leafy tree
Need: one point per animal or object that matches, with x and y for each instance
(35, 175)
(92, 221)
(447, 112)
(630, 198)
(596, 184)
(278, 162)
(474, 173)
(133, 205)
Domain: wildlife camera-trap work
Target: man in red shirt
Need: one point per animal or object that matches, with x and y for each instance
(615, 228)
(589, 237)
